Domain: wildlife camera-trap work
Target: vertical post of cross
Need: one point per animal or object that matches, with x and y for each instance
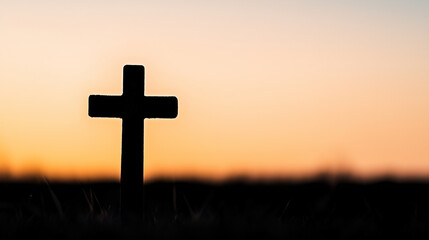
(132, 142)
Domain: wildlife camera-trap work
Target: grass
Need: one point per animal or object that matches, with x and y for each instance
(193, 210)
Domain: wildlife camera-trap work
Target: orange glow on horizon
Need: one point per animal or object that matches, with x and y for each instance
(273, 89)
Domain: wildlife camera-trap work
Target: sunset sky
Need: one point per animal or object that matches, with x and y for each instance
(266, 88)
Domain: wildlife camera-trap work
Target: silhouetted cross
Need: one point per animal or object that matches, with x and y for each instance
(133, 107)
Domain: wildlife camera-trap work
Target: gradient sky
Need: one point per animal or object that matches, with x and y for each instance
(266, 88)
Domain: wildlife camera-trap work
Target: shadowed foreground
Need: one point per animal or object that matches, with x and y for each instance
(192, 210)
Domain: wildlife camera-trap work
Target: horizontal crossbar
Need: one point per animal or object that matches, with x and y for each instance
(145, 107)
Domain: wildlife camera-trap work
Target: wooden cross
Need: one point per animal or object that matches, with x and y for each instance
(133, 107)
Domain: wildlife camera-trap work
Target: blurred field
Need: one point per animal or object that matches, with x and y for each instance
(193, 210)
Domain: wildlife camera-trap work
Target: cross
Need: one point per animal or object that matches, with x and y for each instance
(133, 107)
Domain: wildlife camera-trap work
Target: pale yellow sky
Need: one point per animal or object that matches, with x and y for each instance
(265, 88)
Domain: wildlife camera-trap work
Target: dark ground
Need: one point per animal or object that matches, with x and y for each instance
(233, 210)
